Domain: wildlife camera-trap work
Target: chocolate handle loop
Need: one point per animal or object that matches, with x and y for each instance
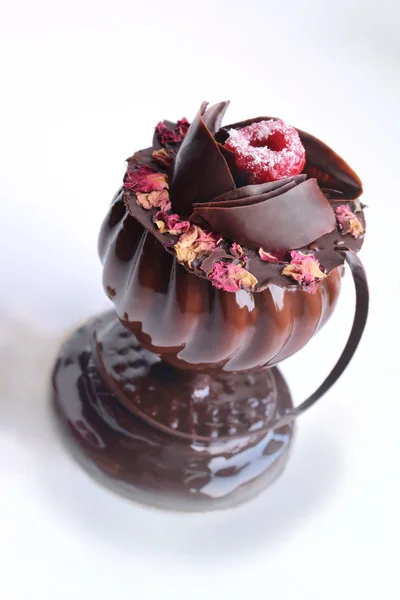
(359, 322)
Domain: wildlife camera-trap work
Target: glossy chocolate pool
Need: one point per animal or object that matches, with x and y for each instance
(163, 436)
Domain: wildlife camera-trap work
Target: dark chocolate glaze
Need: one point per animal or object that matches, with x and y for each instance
(191, 324)
(162, 436)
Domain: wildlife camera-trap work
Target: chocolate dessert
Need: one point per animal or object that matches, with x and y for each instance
(223, 254)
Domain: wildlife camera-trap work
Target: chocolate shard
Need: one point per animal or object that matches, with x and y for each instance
(200, 171)
(290, 220)
(330, 170)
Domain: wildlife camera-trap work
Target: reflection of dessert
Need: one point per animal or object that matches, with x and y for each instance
(222, 255)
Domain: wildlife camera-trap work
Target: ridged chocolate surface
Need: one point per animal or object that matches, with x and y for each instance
(191, 324)
(247, 224)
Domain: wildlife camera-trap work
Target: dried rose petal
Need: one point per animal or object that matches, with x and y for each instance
(355, 227)
(305, 269)
(163, 157)
(183, 126)
(172, 136)
(156, 199)
(209, 238)
(194, 243)
(267, 256)
(150, 187)
(279, 256)
(348, 222)
(231, 278)
(237, 250)
(171, 223)
(145, 179)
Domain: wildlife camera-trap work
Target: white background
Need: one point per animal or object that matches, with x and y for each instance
(82, 85)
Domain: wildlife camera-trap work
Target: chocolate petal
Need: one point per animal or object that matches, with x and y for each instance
(251, 194)
(250, 200)
(241, 178)
(290, 220)
(214, 115)
(200, 172)
(330, 170)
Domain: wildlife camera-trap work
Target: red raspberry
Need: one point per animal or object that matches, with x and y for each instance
(270, 149)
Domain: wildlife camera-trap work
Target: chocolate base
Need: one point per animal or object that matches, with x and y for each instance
(168, 438)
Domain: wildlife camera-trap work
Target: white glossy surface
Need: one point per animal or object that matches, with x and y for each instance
(83, 83)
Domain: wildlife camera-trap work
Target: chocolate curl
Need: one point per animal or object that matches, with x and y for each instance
(200, 172)
(330, 170)
(276, 221)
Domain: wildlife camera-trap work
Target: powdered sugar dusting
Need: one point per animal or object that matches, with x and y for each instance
(271, 149)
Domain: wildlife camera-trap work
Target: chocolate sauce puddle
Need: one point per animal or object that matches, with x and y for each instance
(158, 466)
